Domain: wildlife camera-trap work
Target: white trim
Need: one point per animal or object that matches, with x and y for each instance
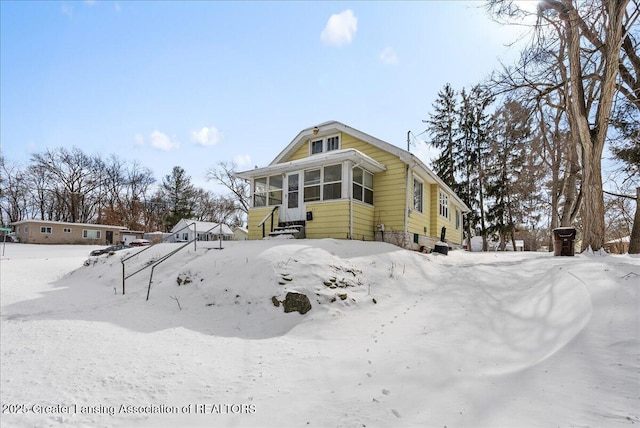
(316, 161)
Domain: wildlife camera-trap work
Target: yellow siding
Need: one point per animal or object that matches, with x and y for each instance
(301, 153)
(255, 216)
(363, 221)
(330, 220)
(437, 221)
(389, 187)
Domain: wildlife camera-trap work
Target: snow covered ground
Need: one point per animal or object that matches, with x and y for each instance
(464, 340)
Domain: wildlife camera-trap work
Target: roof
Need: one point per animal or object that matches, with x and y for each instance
(333, 126)
(317, 160)
(65, 223)
(624, 239)
(205, 226)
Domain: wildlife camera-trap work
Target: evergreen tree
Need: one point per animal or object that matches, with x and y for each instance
(473, 147)
(443, 129)
(506, 160)
(179, 195)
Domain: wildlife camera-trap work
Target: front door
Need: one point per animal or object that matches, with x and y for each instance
(109, 237)
(292, 206)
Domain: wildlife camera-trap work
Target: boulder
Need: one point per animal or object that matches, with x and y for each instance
(296, 302)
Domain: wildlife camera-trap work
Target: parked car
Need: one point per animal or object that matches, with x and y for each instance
(140, 242)
(109, 249)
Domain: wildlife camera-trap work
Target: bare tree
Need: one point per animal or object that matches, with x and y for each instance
(225, 174)
(594, 33)
(13, 192)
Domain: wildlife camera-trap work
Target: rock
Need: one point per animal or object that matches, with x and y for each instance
(296, 302)
(275, 301)
(342, 296)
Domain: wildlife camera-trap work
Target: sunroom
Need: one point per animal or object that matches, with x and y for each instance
(321, 191)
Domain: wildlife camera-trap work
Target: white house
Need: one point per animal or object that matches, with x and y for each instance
(240, 234)
(184, 231)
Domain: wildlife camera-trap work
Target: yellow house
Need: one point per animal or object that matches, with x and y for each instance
(334, 181)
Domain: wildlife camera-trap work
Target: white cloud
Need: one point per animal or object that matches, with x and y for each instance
(340, 28)
(67, 10)
(162, 141)
(388, 56)
(117, 7)
(139, 139)
(207, 136)
(242, 160)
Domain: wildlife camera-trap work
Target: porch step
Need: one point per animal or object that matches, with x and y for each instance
(292, 230)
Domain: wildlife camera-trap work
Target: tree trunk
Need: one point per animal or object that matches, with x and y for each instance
(634, 244)
(592, 139)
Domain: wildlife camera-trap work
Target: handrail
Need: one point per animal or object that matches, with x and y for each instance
(162, 259)
(146, 248)
(265, 219)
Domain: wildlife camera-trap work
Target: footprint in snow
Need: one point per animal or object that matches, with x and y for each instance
(386, 392)
(395, 412)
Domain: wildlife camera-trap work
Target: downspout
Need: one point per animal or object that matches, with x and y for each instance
(406, 190)
(351, 199)
(406, 203)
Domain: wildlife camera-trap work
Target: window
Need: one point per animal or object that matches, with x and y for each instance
(325, 145)
(457, 219)
(323, 184)
(312, 185)
(444, 205)
(44, 229)
(267, 191)
(418, 195)
(260, 192)
(363, 185)
(333, 143)
(316, 147)
(275, 190)
(91, 234)
(66, 230)
(332, 182)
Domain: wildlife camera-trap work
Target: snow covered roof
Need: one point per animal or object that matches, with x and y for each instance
(624, 239)
(317, 160)
(202, 227)
(66, 223)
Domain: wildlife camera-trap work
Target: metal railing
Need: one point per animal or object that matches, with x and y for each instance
(166, 256)
(270, 215)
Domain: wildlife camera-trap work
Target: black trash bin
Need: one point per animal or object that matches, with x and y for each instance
(564, 241)
(441, 248)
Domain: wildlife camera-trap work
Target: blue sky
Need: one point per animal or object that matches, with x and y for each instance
(195, 83)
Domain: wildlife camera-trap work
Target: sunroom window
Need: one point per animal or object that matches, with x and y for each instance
(363, 185)
(332, 182)
(312, 185)
(267, 191)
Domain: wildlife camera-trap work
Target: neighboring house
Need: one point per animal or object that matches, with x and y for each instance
(183, 231)
(58, 232)
(338, 182)
(240, 234)
(618, 246)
